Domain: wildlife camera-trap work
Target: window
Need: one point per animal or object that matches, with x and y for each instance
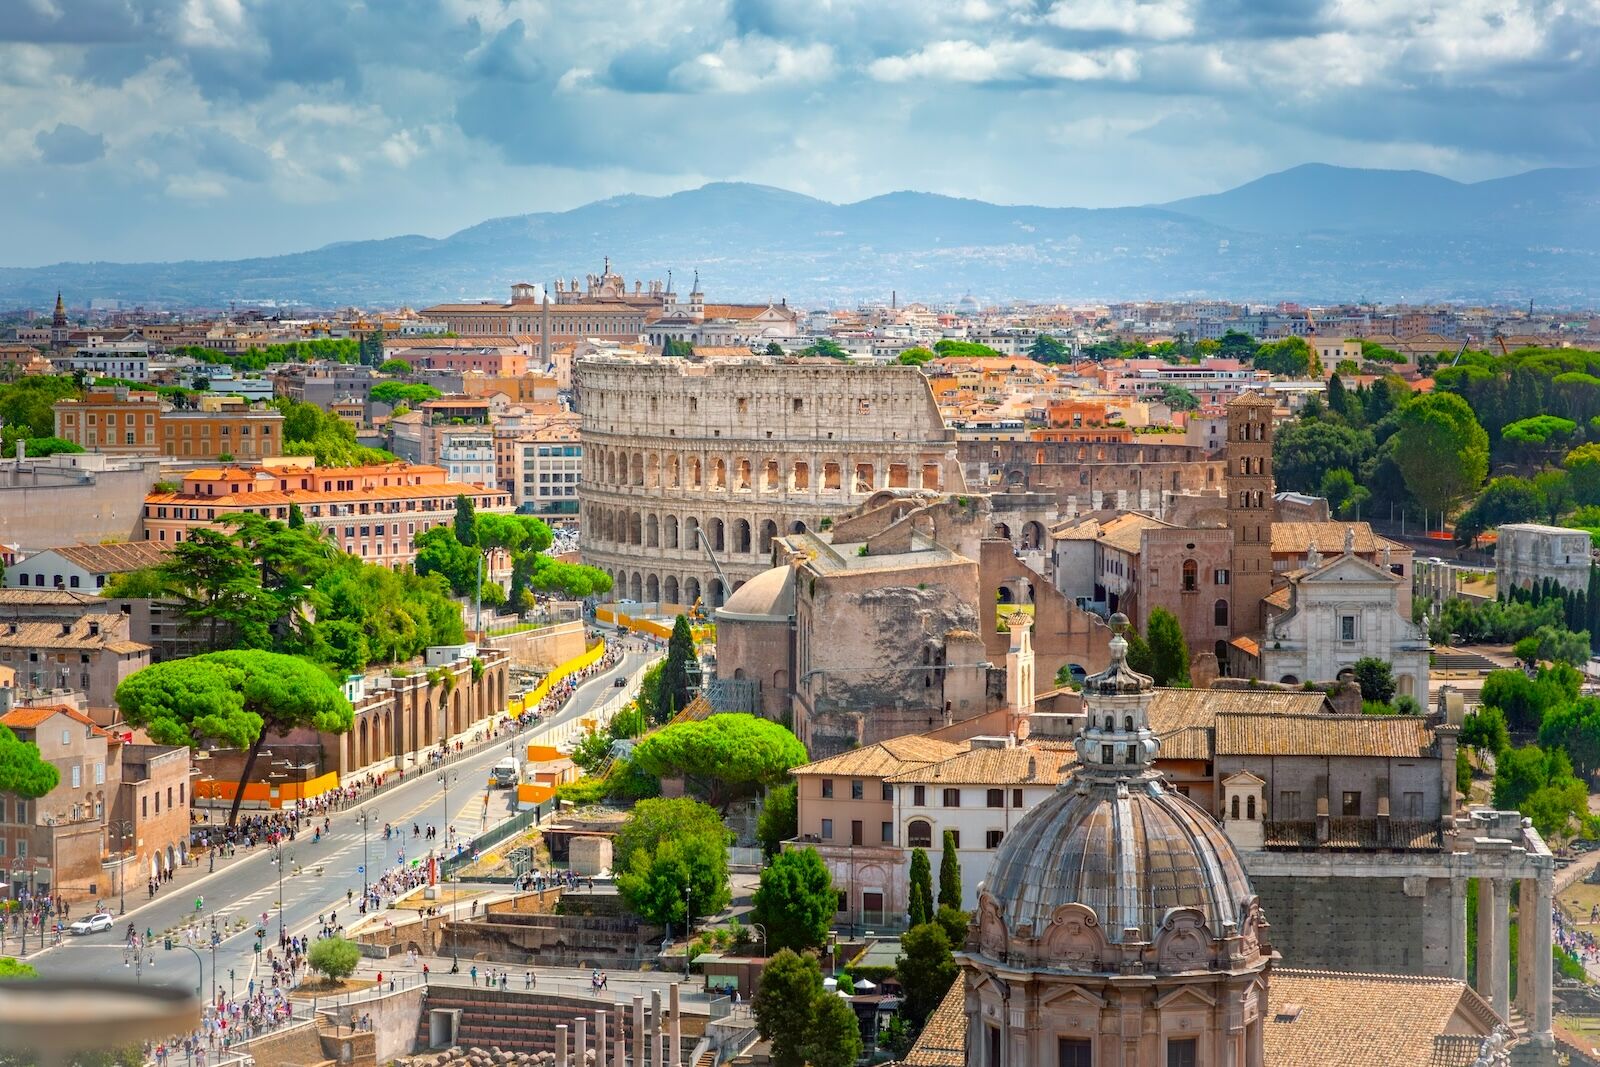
(952, 798)
(886, 833)
(1351, 804)
(99, 774)
(66, 738)
(1183, 1052)
(919, 795)
(857, 791)
(1074, 1052)
(888, 791)
(992, 838)
(1289, 804)
(991, 1041)
(857, 836)
(22, 848)
(827, 788)
(2, 846)
(827, 829)
(1413, 805)
(1219, 576)
(1191, 576)
(997, 798)
(919, 834)
(144, 807)
(77, 776)
(1347, 627)
(1016, 798)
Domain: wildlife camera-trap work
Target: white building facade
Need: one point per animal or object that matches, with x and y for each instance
(1527, 553)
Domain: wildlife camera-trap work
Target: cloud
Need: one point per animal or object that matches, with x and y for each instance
(195, 187)
(1160, 20)
(967, 61)
(749, 63)
(69, 145)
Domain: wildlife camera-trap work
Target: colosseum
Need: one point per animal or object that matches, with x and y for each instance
(681, 457)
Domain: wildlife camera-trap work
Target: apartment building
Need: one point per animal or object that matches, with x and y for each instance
(374, 512)
(87, 651)
(129, 360)
(125, 421)
(548, 468)
(82, 566)
(56, 842)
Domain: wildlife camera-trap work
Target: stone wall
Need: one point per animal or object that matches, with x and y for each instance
(744, 450)
(396, 1018)
(294, 1046)
(1383, 925)
(546, 647)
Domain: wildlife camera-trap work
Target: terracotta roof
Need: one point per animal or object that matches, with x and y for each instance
(1191, 742)
(32, 718)
(1126, 532)
(1402, 736)
(1278, 598)
(1250, 399)
(47, 597)
(1174, 709)
(1329, 1019)
(441, 490)
(49, 635)
(1248, 645)
(943, 1041)
(1297, 538)
(991, 766)
(735, 311)
(885, 757)
(114, 558)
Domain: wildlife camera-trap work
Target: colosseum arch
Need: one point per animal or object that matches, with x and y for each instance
(691, 534)
(798, 526)
(771, 476)
(717, 530)
(611, 467)
(719, 474)
(652, 472)
(741, 535)
(636, 469)
(715, 593)
(769, 530)
(691, 590)
(652, 589)
(800, 477)
(1032, 536)
(695, 480)
(742, 480)
(635, 528)
(669, 590)
(669, 534)
(652, 532)
(674, 472)
(636, 586)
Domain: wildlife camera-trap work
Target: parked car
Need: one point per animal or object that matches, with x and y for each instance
(93, 924)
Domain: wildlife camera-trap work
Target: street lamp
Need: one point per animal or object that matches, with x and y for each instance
(278, 849)
(366, 818)
(124, 831)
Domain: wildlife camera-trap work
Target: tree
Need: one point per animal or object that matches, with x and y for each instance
(1345, 497)
(1525, 701)
(11, 967)
(1338, 396)
(680, 878)
(1540, 784)
(949, 873)
(1047, 349)
(950, 346)
(1288, 358)
(1304, 452)
(1485, 731)
(1178, 398)
(334, 957)
(925, 968)
(1442, 452)
(783, 1005)
(218, 586)
(779, 819)
(896, 1037)
(1534, 440)
(1504, 499)
(920, 908)
(297, 518)
(1169, 654)
(655, 821)
(465, 522)
(1236, 345)
(411, 394)
(955, 923)
(22, 770)
(237, 698)
(1575, 729)
(825, 346)
(1376, 678)
(677, 687)
(774, 348)
(677, 346)
(914, 356)
(834, 1036)
(1555, 487)
(394, 366)
(1583, 464)
(723, 756)
(440, 552)
(796, 900)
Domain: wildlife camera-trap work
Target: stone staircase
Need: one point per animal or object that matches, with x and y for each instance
(523, 1022)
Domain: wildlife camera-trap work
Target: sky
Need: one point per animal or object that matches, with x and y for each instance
(201, 129)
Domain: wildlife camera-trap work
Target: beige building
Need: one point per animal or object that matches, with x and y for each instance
(684, 461)
(90, 652)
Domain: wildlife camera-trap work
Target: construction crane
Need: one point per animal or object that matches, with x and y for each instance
(1462, 350)
(705, 543)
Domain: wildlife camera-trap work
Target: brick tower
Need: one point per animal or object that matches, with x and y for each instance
(1249, 452)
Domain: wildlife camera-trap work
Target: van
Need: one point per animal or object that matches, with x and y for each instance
(505, 773)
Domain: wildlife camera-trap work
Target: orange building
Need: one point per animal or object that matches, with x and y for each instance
(135, 422)
(373, 512)
(1080, 420)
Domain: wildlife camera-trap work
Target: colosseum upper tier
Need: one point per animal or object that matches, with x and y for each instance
(680, 456)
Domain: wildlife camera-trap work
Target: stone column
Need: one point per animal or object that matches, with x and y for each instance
(1524, 961)
(676, 1031)
(599, 1037)
(1457, 954)
(580, 1040)
(638, 1030)
(1500, 983)
(1488, 941)
(619, 1054)
(655, 1028)
(1543, 963)
(561, 1045)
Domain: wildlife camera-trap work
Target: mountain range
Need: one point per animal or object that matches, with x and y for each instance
(1314, 232)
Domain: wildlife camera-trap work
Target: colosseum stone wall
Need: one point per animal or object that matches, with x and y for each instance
(740, 452)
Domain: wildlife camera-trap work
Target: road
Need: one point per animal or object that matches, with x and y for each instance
(315, 878)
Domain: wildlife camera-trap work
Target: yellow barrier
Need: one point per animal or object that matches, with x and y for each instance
(650, 626)
(535, 697)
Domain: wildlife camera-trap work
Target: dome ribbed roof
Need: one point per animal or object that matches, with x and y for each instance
(768, 597)
(1130, 851)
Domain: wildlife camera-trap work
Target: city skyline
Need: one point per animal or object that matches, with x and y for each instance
(218, 128)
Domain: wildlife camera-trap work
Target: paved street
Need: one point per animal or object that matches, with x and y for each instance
(316, 878)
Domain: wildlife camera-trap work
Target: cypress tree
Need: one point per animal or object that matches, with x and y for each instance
(920, 910)
(949, 873)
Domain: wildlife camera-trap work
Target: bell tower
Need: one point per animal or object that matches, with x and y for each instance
(1249, 482)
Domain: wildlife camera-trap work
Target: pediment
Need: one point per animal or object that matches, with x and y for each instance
(1348, 569)
(1064, 996)
(1193, 994)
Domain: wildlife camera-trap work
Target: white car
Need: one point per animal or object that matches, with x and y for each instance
(93, 924)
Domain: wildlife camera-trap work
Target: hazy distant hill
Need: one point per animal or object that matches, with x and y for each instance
(1311, 232)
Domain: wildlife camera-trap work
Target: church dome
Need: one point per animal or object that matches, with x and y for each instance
(1114, 870)
(768, 597)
